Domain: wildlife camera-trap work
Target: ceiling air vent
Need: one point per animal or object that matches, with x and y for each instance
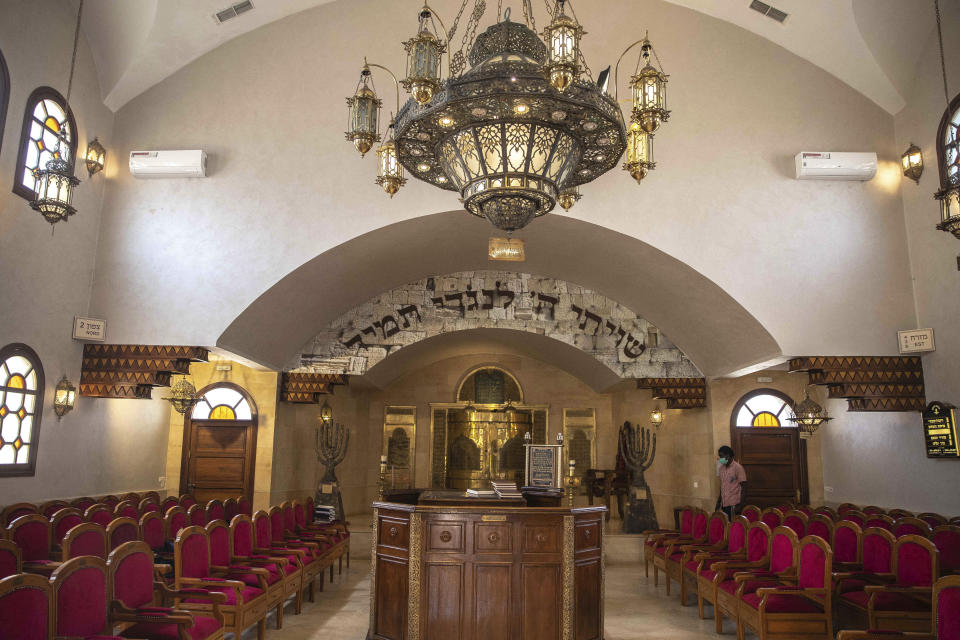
(771, 12)
(232, 11)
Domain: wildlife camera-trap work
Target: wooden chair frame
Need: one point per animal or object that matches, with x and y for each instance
(110, 501)
(167, 503)
(63, 572)
(849, 524)
(11, 547)
(936, 517)
(78, 531)
(292, 583)
(310, 568)
(804, 518)
(339, 550)
(208, 510)
(853, 614)
(50, 507)
(19, 581)
(707, 560)
(143, 523)
(916, 522)
(675, 569)
(905, 620)
(776, 510)
(316, 560)
(168, 533)
(896, 514)
(946, 582)
(154, 495)
(192, 514)
(125, 508)
(847, 506)
(55, 524)
(872, 510)
(335, 550)
(792, 626)
(653, 537)
(83, 503)
(668, 541)
(826, 521)
(713, 594)
(90, 514)
(131, 496)
(11, 510)
(42, 567)
(117, 523)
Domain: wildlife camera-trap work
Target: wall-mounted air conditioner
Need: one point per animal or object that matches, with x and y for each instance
(168, 164)
(836, 165)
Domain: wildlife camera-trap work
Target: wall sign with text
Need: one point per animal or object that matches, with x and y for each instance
(89, 329)
(915, 340)
(940, 430)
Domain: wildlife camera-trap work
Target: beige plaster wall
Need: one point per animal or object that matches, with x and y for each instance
(262, 386)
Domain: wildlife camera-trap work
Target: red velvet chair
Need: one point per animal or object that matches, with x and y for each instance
(231, 508)
(169, 501)
(245, 605)
(264, 544)
(214, 510)
(670, 546)
(336, 531)
(896, 514)
(131, 496)
(50, 507)
(110, 501)
(756, 555)
(847, 506)
(772, 517)
(221, 564)
(679, 556)
(946, 538)
(83, 503)
(820, 524)
(187, 500)
(911, 527)
(10, 560)
(332, 544)
(288, 566)
(99, 513)
(945, 618)
(32, 534)
(80, 600)
(317, 545)
(63, 521)
(905, 604)
(857, 517)
(147, 504)
(879, 521)
(796, 520)
(876, 567)
(154, 495)
(151, 530)
(26, 608)
(801, 608)
(932, 519)
(702, 565)
(245, 507)
(134, 598)
(954, 521)
(13, 511)
(173, 521)
(751, 513)
(828, 512)
(653, 540)
(126, 509)
(872, 510)
(122, 530)
(847, 545)
(739, 579)
(87, 539)
(197, 516)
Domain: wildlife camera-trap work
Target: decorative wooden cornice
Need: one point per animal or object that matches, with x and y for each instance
(680, 393)
(306, 388)
(132, 370)
(869, 383)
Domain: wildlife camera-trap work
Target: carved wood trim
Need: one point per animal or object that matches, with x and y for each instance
(130, 371)
(869, 383)
(680, 393)
(306, 388)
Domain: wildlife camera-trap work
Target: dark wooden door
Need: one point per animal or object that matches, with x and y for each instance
(775, 463)
(218, 459)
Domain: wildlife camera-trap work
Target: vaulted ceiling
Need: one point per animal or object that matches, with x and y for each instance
(872, 45)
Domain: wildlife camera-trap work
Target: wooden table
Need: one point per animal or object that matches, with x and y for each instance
(456, 569)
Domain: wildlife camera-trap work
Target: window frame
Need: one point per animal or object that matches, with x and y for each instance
(745, 398)
(4, 95)
(952, 108)
(41, 93)
(17, 470)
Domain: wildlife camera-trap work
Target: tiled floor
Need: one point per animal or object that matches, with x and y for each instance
(634, 609)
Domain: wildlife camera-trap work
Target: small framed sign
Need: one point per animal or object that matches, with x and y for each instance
(89, 329)
(915, 340)
(544, 462)
(940, 430)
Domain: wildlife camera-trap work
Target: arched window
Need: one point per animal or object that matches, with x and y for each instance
(763, 408)
(21, 402)
(49, 130)
(948, 145)
(4, 95)
(222, 403)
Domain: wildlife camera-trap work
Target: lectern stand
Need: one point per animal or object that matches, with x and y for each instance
(454, 568)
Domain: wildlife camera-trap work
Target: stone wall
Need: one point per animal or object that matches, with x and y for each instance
(613, 334)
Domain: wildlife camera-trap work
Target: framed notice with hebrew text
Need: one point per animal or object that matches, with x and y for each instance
(940, 430)
(544, 465)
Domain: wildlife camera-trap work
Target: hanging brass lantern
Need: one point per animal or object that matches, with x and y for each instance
(95, 155)
(949, 209)
(656, 417)
(389, 169)
(912, 163)
(649, 93)
(183, 396)
(54, 190)
(639, 152)
(326, 413)
(363, 109)
(64, 397)
(424, 55)
(562, 36)
(569, 197)
(808, 416)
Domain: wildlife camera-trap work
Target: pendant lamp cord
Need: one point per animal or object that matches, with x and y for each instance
(73, 60)
(943, 65)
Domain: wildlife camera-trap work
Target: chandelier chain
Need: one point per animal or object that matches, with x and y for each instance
(528, 14)
(73, 59)
(456, 21)
(943, 65)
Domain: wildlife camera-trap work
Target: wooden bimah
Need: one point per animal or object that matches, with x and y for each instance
(453, 568)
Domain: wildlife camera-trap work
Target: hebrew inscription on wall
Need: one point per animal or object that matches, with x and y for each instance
(613, 334)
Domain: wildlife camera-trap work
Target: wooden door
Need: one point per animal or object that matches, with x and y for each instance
(774, 462)
(220, 445)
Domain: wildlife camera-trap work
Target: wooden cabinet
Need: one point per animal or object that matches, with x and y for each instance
(487, 573)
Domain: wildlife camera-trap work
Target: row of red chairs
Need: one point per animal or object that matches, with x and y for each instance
(224, 578)
(887, 583)
(870, 516)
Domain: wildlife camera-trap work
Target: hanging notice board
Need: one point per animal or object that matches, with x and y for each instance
(940, 430)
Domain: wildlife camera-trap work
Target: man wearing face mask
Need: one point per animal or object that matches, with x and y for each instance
(732, 477)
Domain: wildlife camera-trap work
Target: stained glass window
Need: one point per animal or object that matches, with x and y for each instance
(948, 145)
(48, 132)
(222, 403)
(763, 409)
(21, 399)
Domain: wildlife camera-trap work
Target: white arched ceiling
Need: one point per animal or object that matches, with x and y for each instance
(715, 332)
(867, 44)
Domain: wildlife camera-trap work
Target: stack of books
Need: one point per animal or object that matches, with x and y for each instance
(507, 490)
(324, 514)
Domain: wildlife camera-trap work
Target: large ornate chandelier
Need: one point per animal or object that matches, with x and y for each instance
(520, 130)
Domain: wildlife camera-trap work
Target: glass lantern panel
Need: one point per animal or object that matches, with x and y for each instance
(467, 147)
(543, 141)
(561, 156)
(518, 141)
(452, 165)
(491, 147)
(563, 47)
(7, 453)
(425, 57)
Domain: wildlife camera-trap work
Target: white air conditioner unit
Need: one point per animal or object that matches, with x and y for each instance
(168, 164)
(836, 165)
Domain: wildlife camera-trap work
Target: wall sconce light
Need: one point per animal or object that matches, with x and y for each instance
(64, 397)
(326, 413)
(95, 156)
(656, 417)
(911, 162)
